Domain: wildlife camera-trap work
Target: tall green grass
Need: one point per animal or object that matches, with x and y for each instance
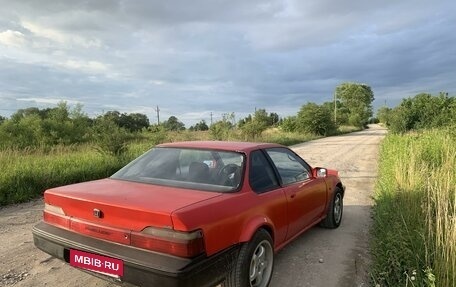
(27, 173)
(414, 231)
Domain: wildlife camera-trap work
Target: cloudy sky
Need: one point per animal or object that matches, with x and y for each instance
(193, 58)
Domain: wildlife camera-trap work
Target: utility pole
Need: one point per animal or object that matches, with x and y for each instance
(335, 108)
(158, 115)
(211, 118)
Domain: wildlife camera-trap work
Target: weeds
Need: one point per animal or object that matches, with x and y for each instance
(26, 175)
(414, 232)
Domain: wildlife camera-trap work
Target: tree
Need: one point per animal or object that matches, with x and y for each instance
(259, 123)
(201, 126)
(342, 113)
(315, 119)
(81, 124)
(2, 119)
(273, 119)
(452, 113)
(22, 113)
(401, 120)
(113, 116)
(432, 111)
(133, 122)
(22, 133)
(32, 127)
(158, 134)
(357, 98)
(220, 130)
(384, 115)
(59, 128)
(60, 113)
(261, 117)
(109, 137)
(288, 124)
(173, 124)
(245, 120)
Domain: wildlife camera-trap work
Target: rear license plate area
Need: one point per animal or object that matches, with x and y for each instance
(105, 265)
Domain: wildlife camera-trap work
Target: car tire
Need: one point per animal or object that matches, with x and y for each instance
(335, 211)
(254, 264)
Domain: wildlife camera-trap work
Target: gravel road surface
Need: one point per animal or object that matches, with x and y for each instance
(319, 257)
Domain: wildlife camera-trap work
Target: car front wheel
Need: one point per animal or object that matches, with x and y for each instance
(335, 211)
(254, 265)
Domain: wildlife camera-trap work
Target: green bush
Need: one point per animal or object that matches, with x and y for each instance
(109, 137)
(422, 112)
(315, 119)
(220, 130)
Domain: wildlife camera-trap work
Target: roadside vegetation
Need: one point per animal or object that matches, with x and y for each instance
(414, 230)
(25, 173)
(44, 148)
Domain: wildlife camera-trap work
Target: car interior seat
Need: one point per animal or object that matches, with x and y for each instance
(198, 172)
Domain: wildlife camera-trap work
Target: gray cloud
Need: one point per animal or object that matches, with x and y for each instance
(220, 56)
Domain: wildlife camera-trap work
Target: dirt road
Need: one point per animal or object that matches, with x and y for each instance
(319, 257)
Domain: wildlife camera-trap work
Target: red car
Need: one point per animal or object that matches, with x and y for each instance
(190, 214)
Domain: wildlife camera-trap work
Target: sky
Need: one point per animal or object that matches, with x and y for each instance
(202, 57)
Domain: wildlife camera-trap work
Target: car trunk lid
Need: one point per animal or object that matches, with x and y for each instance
(122, 204)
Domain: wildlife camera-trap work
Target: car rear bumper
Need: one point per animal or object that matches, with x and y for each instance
(141, 267)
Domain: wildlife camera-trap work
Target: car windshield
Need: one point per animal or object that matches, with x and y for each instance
(208, 170)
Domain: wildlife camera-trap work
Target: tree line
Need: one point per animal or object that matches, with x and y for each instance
(34, 127)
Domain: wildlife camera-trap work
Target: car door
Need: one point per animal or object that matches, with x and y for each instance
(264, 182)
(306, 195)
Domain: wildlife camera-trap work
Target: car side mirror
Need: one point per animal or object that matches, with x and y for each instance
(321, 172)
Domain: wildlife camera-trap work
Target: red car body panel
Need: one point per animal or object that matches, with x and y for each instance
(306, 203)
(223, 219)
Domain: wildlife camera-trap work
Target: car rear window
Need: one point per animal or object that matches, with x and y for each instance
(208, 170)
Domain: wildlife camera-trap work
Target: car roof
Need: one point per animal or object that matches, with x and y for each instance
(221, 145)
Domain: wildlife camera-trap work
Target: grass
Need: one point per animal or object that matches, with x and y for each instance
(414, 231)
(26, 174)
(285, 138)
(347, 129)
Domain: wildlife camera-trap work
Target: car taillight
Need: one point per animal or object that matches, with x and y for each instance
(182, 244)
(56, 216)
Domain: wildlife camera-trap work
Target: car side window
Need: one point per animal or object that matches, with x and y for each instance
(290, 167)
(261, 175)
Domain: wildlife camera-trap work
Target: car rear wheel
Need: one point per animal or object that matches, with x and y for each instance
(254, 265)
(334, 217)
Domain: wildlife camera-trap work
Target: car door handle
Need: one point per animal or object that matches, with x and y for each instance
(293, 195)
